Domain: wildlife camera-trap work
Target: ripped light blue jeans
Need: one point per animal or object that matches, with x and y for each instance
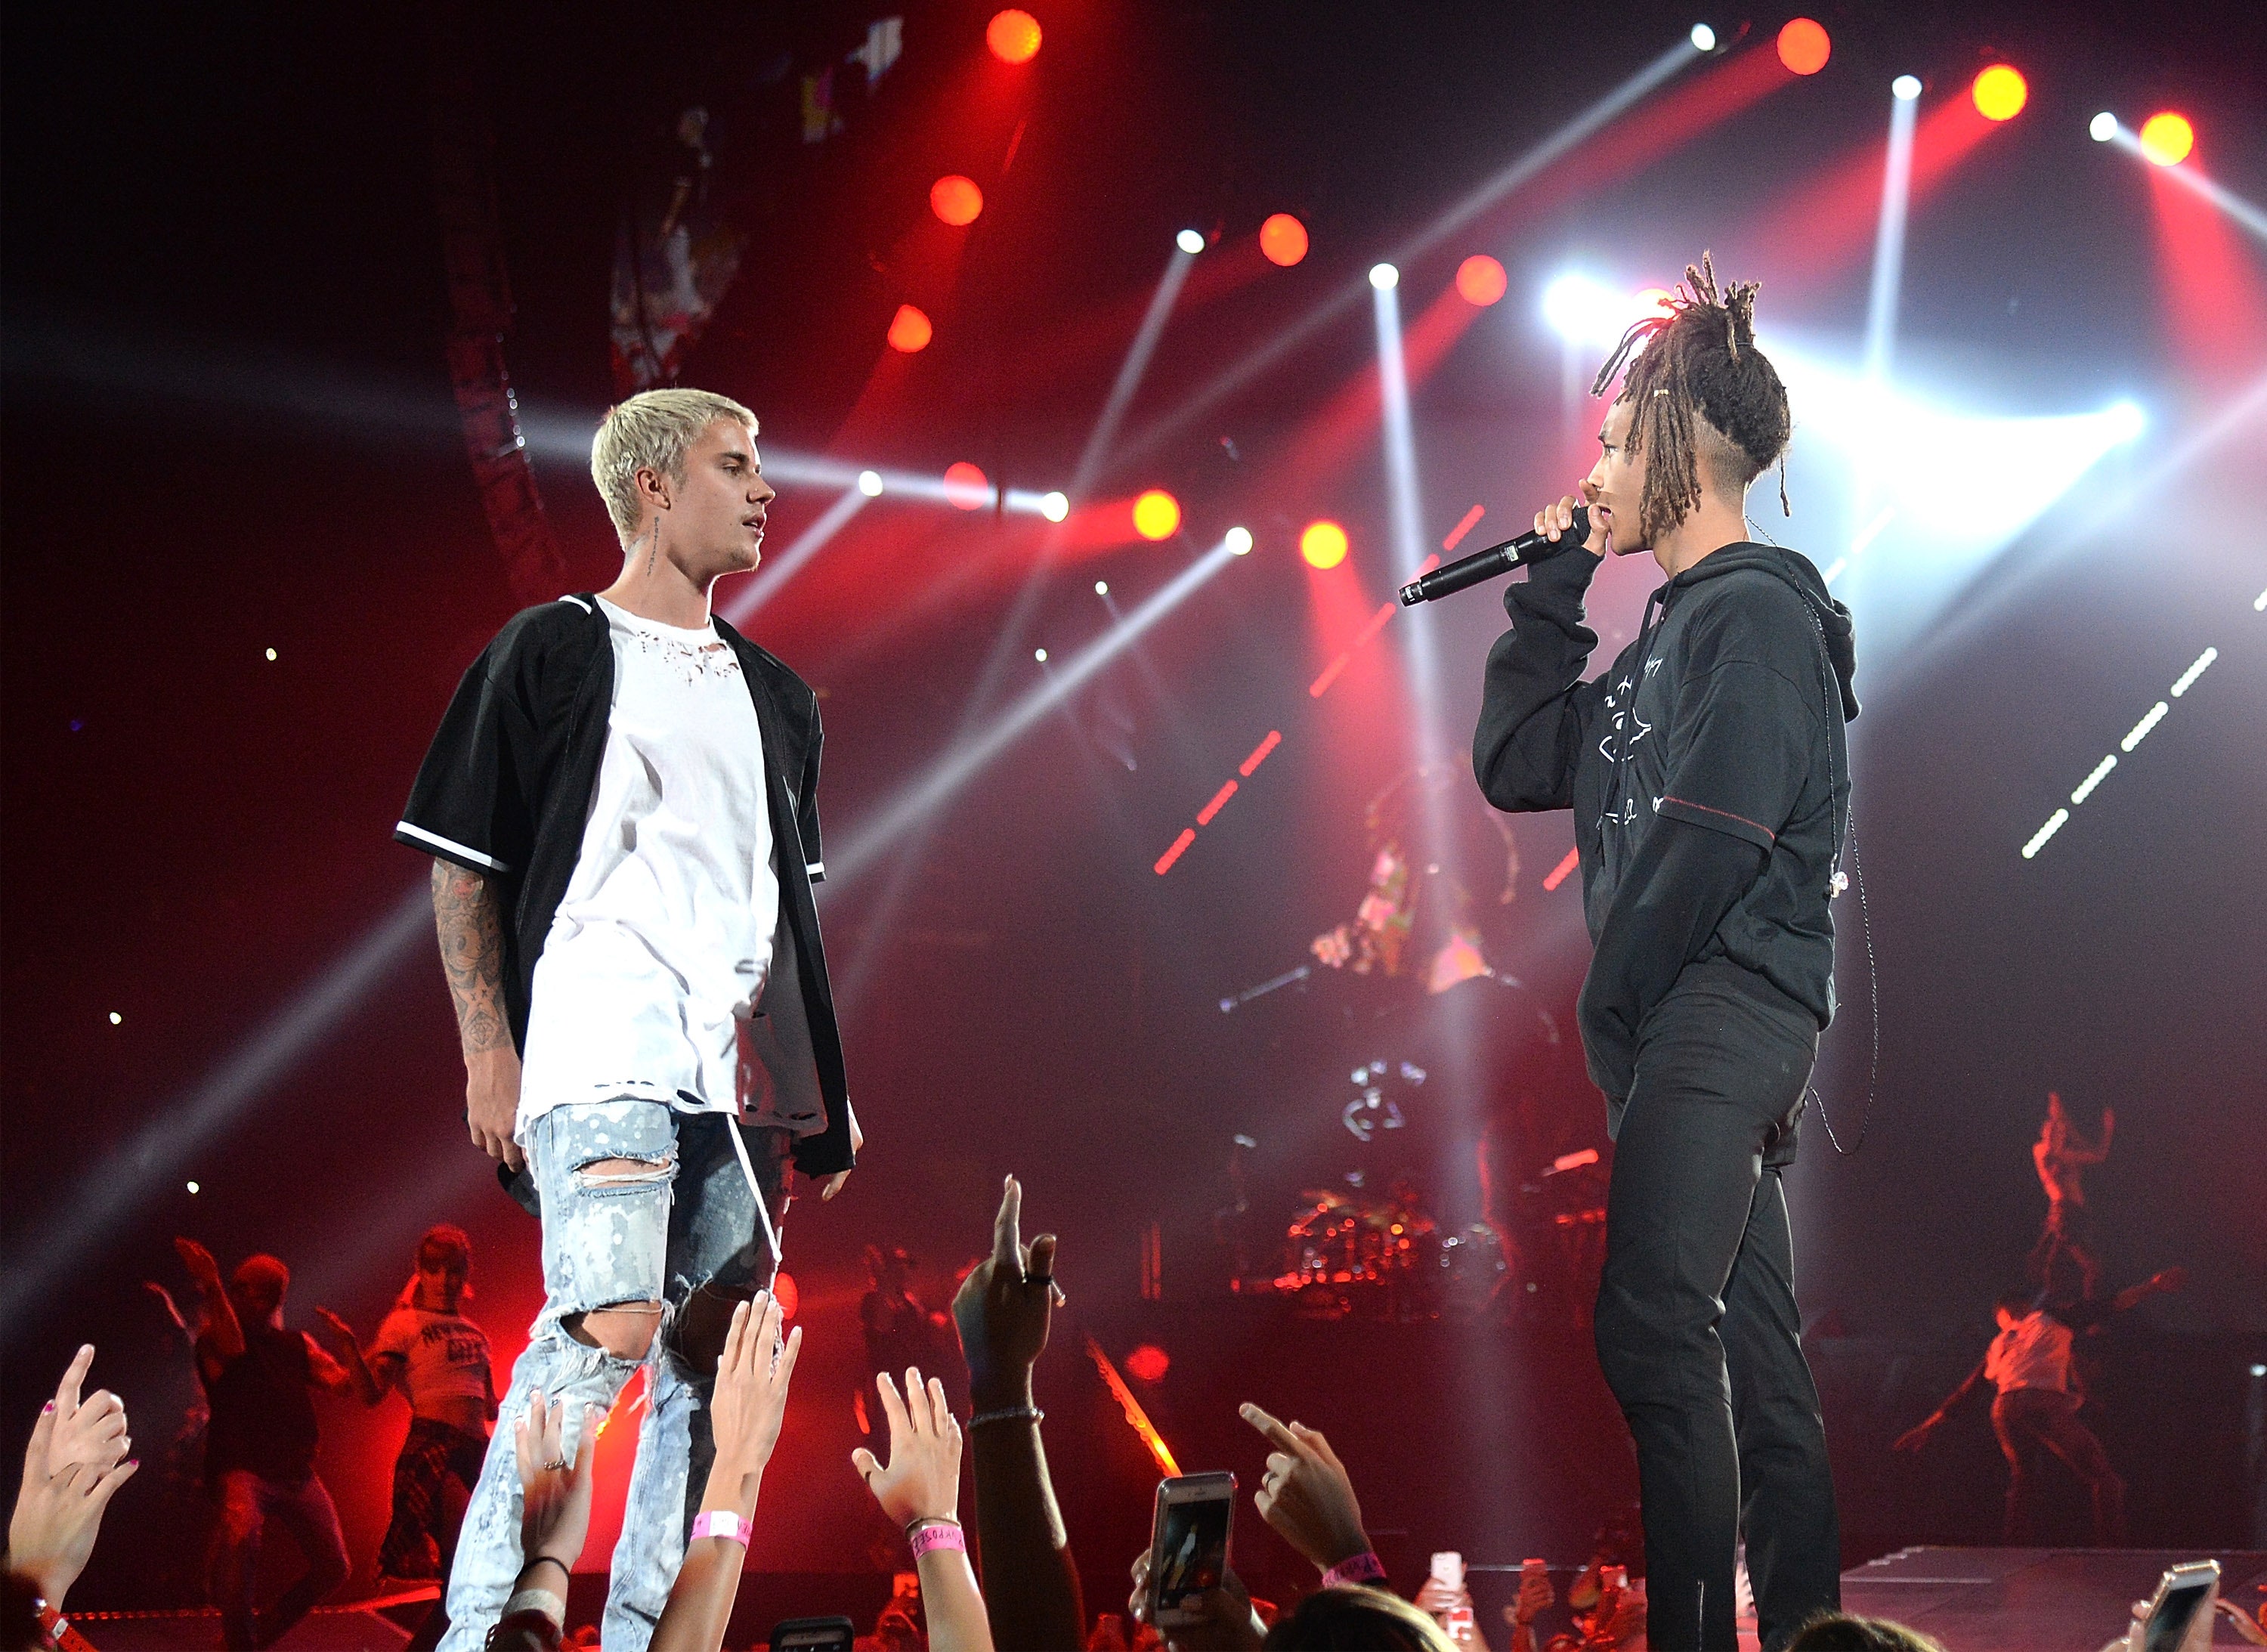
(687, 1223)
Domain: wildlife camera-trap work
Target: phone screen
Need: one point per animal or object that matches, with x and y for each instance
(1192, 1549)
(2169, 1624)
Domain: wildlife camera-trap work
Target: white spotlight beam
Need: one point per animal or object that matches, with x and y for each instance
(163, 1147)
(1255, 363)
(1131, 370)
(929, 793)
(1889, 240)
(2244, 212)
(749, 601)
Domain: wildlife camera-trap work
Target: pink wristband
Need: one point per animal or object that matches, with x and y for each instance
(939, 1534)
(721, 1523)
(1365, 1567)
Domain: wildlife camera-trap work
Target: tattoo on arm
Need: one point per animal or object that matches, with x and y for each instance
(468, 913)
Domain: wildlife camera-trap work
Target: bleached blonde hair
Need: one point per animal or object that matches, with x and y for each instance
(652, 430)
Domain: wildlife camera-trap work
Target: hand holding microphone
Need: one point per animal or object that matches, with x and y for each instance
(1558, 528)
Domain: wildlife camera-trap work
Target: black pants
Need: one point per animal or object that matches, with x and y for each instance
(1696, 1329)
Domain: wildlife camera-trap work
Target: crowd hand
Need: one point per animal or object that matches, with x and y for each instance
(751, 1402)
(1305, 1494)
(59, 1509)
(1534, 1595)
(556, 1518)
(1004, 1305)
(1227, 1622)
(199, 1261)
(341, 1333)
(92, 1431)
(921, 1480)
(1440, 1599)
(1556, 521)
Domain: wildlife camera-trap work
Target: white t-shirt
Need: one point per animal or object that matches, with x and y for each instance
(2033, 1352)
(445, 1355)
(663, 941)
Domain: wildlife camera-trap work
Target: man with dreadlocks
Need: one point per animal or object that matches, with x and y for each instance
(1709, 780)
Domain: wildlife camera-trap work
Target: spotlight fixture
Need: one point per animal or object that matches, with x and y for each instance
(1238, 541)
(2102, 128)
(1905, 88)
(2167, 138)
(2000, 91)
(1013, 35)
(1157, 515)
(910, 330)
(870, 483)
(1804, 46)
(1480, 281)
(1384, 277)
(966, 487)
(956, 200)
(1703, 38)
(1101, 587)
(1191, 241)
(1324, 545)
(1283, 240)
(1040, 654)
(1055, 506)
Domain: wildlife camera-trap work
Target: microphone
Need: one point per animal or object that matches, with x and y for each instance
(1531, 547)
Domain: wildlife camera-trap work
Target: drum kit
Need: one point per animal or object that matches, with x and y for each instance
(1347, 1257)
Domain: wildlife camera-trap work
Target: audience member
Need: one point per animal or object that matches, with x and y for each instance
(918, 1489)
(72, 1468)
(753, 1375)
(260, 1447)
(1003, 1310)
(1834, 1632)
(1350, 1617)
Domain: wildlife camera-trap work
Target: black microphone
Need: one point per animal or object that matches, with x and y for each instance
(1531, 547)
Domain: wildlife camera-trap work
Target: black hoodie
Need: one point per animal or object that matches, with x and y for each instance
(1707, 771)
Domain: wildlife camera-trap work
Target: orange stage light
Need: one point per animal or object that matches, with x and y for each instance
(966, 487)
(1013, 36)
(1283, 239)
(1481, 280)
(1157, 515)
(910, 330)
(1323, 544)
(1803, 47)
(2000, 92)
(1654, 301)
(2167, 138)
(955, 199)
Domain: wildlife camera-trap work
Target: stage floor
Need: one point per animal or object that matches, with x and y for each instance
(2026, 1600)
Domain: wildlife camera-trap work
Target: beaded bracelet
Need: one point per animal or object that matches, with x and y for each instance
(1012, 1413)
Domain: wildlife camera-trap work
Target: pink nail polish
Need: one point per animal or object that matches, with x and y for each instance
(49, 1406)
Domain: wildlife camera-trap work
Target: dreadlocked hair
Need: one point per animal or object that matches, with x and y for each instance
(1701, 393)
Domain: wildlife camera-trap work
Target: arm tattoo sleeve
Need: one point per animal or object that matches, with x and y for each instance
(469, 916)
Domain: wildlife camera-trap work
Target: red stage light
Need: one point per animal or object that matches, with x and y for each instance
(1803, 47)
(955, 199)
(910, 331)
(1013, 36)
(2167, 138)
(1149, 1363)
(1481, 280)
(1157, 515)
(1283, 239)
(1324, 545)
(2000, 92)
(965, 486)
(785, 1293)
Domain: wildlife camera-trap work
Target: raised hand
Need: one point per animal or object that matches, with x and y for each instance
(921, 1480)
(751, 1405)
(556, 1518)
(1004, 1306)
(341, 1331)
(1227, 1622)
(1913, 1439)
(92, 1431)
(59, 1508)
(199, 1261)
(1306, 1494)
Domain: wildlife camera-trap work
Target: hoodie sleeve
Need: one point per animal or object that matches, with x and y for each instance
(1676, 891)
(1534, 704)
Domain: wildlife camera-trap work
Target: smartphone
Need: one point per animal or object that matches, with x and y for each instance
(2179, 1616)
(1188, 1550)
(1449, 1572)
(813, 1635)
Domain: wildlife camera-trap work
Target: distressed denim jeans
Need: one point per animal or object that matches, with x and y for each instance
(690, 1224)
